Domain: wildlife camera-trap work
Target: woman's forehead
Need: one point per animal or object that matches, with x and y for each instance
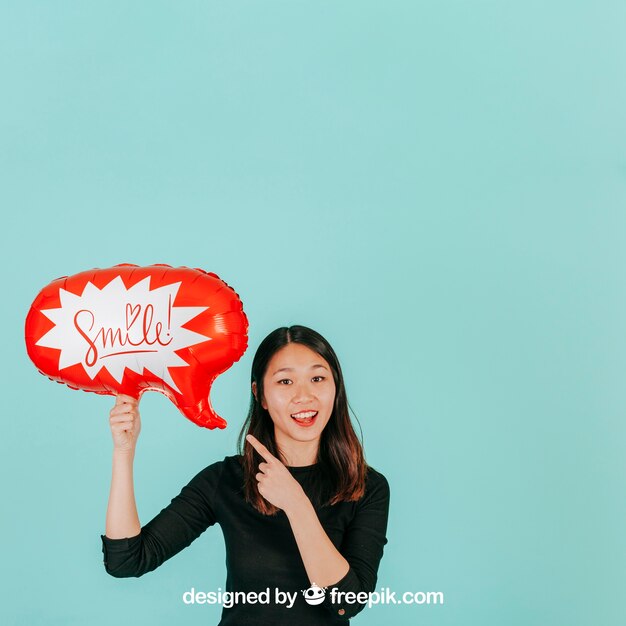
(295, 356)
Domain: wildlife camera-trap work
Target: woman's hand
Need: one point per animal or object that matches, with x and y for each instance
(276, 484)
(125, 423)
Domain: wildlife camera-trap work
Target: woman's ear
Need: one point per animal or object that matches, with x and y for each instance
(254, 391)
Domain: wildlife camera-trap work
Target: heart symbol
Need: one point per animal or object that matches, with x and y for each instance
(132, 312)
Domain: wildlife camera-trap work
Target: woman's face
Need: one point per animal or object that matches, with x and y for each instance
(298, 381)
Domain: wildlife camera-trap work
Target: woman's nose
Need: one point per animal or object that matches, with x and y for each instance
(302, 392)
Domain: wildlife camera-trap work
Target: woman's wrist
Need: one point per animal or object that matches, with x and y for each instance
(124, 454)
(300, 505)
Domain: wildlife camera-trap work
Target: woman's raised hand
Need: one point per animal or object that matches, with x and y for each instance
(125, 423)
(275, 482)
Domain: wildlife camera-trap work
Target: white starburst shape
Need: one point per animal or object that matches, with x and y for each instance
(117, 328)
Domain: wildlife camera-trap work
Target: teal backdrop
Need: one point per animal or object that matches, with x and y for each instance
(439, 188)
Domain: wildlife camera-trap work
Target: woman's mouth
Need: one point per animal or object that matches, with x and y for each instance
(304, 418)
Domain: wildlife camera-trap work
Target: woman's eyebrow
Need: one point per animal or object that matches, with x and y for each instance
(290, 369)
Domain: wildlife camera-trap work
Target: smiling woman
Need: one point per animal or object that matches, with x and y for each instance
(299, 507)
(309, 390)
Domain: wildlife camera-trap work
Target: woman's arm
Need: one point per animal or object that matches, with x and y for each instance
(361, 549)
(130, 549)
(354, 570)
(363, 546)
(324, 564)
(187, 516)
(121, 517)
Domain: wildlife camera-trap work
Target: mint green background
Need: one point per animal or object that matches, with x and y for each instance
(439, 188)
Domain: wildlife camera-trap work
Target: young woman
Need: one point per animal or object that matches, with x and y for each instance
(299, 507)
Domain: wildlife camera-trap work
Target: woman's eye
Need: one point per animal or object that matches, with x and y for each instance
(287, 381)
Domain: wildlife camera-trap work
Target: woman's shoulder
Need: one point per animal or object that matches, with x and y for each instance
(229, 466)
(373, 475)
(376, 484)
(228, 463)
(217, 476)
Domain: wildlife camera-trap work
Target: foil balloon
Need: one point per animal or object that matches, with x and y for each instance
(129, 329)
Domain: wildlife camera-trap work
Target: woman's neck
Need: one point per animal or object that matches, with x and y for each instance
(298, 453)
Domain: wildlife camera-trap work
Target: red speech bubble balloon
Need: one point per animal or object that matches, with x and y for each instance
(129, 329)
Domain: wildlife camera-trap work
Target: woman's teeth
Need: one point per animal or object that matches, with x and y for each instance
(305, 416)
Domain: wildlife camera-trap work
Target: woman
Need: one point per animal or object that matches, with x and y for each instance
(299, 507)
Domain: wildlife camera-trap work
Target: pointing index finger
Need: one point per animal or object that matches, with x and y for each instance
(260, 448)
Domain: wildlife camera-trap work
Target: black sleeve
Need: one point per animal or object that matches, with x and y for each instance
(188, 515)
(362, 547)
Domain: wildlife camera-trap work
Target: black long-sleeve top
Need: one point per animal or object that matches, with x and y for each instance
(261, 550)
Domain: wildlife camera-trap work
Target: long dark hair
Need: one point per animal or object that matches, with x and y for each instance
(340, 454)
